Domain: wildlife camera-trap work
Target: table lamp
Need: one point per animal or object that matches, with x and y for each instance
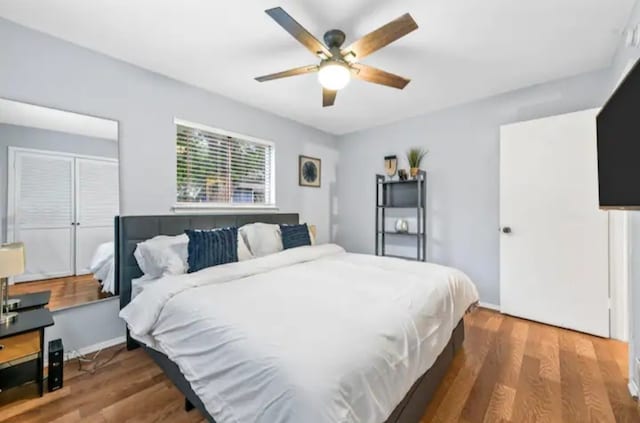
(11, 264)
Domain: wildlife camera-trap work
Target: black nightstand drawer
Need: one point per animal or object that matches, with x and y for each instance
(18, 374)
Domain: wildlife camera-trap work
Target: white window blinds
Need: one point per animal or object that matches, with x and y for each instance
(217, 168)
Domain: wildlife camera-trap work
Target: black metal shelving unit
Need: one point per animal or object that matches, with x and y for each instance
(410, 195)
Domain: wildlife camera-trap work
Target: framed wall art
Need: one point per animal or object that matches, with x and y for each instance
(309, 171)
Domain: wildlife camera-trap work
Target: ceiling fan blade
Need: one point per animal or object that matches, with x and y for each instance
(291, 72)
(378, 76)
(381, 37)
(297, 31)
(328, 97)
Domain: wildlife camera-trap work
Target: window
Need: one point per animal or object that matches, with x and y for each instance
(219, 168)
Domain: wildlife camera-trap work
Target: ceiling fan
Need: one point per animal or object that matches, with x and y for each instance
(337, 64)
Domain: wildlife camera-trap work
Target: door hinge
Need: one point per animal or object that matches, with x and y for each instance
(609, 303)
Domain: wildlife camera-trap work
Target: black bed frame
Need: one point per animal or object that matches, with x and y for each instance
(130, 230)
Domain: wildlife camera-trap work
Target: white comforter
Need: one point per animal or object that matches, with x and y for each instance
(311, 334)
(103, 266)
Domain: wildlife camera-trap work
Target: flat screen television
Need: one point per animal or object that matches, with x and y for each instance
(619, 146)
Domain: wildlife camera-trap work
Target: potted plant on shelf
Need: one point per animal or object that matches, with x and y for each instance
(414, 157)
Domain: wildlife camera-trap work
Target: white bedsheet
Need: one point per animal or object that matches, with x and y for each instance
(138, 284)
(311, 334)
(103, 266)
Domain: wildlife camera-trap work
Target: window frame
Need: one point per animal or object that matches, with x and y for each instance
(204, 206)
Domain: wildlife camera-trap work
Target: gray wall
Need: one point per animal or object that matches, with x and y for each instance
(39, 69)
(625, 57)
(42, 139)
(87, 325)
(463, 172)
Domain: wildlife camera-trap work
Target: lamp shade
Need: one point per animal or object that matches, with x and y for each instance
(11, 259)
(334, 75)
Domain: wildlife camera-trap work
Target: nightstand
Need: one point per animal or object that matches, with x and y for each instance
(22, 355)
(31, 301)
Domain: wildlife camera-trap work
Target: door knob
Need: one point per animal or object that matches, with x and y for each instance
(506, 230)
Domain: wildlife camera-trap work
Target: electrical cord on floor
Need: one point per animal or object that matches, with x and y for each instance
(92, 363)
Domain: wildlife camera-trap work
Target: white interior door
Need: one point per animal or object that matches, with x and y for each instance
(97, 204)
(41, 211)
(554, 262)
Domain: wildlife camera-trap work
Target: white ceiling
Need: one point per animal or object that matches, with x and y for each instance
(31, 116)
(463, 50)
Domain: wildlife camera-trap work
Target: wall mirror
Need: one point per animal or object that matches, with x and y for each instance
(59, 195)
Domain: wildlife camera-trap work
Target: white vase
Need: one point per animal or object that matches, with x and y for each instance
(402, 226)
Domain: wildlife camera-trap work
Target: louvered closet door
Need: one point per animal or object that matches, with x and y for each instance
(43, 214)
(97, 205)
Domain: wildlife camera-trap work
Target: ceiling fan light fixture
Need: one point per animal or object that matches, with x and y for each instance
(334, 75)
(338, 65)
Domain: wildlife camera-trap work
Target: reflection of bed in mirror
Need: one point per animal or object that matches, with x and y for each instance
(59, 197)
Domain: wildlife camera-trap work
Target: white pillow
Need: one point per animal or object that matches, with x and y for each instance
(142, 264)
(163, 255)
(168, 255)
(262, 238)
(312, 238)
(243, 251)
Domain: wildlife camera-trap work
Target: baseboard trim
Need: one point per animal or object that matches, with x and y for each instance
(70, 355)
(489, 306)
(633, 389)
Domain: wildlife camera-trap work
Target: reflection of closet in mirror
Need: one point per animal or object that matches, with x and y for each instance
(60, 196)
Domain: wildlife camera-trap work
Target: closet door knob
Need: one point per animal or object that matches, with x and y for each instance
(506, 230)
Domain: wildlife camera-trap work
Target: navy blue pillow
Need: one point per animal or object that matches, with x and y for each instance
(295, 236)
(211, 247)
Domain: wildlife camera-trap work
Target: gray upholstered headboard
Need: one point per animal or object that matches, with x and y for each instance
(131, 230)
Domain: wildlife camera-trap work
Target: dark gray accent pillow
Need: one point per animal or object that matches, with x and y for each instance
(213, 247)
(294, 236)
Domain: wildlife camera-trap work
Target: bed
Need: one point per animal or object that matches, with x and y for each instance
(322, 335)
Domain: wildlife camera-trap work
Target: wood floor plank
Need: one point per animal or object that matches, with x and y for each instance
(485, 383)
(624, 411)
(65, 292)
(543, 345)
(549, 355)
(500, 408)
(574, 408)
(72, 417)
(510, 371)
(533, 398)
(480, 341)
(594, 390)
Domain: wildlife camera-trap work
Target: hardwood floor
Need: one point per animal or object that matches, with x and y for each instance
(65, 292)
(510, 370)
(514, 370)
